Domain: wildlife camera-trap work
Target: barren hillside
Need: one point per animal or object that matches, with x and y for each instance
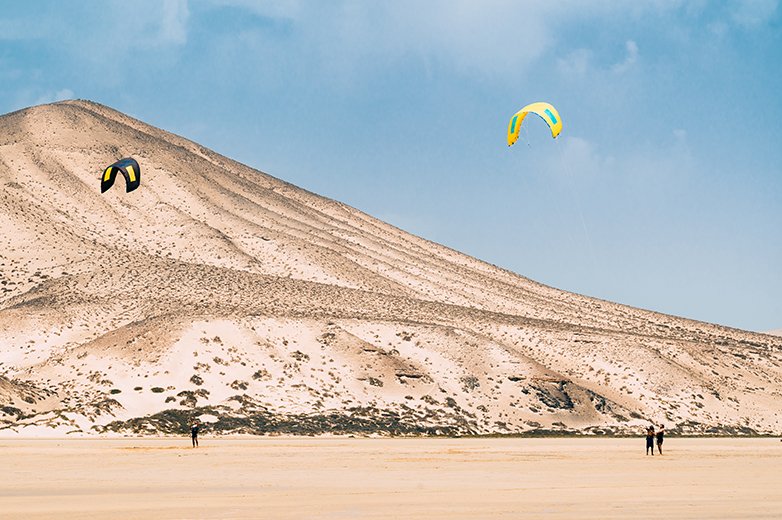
(217, 291)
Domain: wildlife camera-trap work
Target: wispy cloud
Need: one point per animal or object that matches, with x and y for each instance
(151, 25)
(288, 9)
(20, 29)
(52, 97)
(630, 58)
(496, 37)
(173, 23)
(753, 13)
(580, 63)
(576, 64)
(120, 33)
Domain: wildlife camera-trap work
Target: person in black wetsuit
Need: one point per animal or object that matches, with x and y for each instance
(194, 433)
(660, 435)
(650, 440)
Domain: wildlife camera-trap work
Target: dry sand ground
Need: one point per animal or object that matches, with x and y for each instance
(390, 478)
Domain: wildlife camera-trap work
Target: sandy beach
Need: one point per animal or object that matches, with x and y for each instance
(390, 478)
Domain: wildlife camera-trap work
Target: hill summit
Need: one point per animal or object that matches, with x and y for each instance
(219, 292)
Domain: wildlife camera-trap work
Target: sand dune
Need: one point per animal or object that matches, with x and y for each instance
(216, 290)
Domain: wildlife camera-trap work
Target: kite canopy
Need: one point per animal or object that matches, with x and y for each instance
(546, 111)
(129, 169)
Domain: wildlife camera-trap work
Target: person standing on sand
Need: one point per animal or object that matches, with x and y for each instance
(660, 435)
(650, 440)
(194, 433)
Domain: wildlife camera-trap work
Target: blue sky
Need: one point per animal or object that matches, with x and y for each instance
(664, 190)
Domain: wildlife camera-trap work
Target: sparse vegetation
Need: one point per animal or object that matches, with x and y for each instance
(262, 375)
(469, 383)
(300, 356)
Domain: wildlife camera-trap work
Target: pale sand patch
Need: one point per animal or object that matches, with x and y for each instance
(390, 478)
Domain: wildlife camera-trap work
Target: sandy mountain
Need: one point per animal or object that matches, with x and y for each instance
(220, 292)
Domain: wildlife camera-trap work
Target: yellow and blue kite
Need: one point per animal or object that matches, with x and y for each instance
(546, 112)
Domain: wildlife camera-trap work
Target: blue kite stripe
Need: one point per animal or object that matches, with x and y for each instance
(551, 116)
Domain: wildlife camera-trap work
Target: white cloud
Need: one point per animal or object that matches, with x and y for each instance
(20, 29)
(576, 64)
(581, 63)
(53, 97)
(488, 37)
(718, 28)
(752, 13)
(595, 74)
(648, 166)
(118, 32)
(630, 58)
(287, 9)
(495, 37)
(158, 24)
(173, 23)
(579, 157)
